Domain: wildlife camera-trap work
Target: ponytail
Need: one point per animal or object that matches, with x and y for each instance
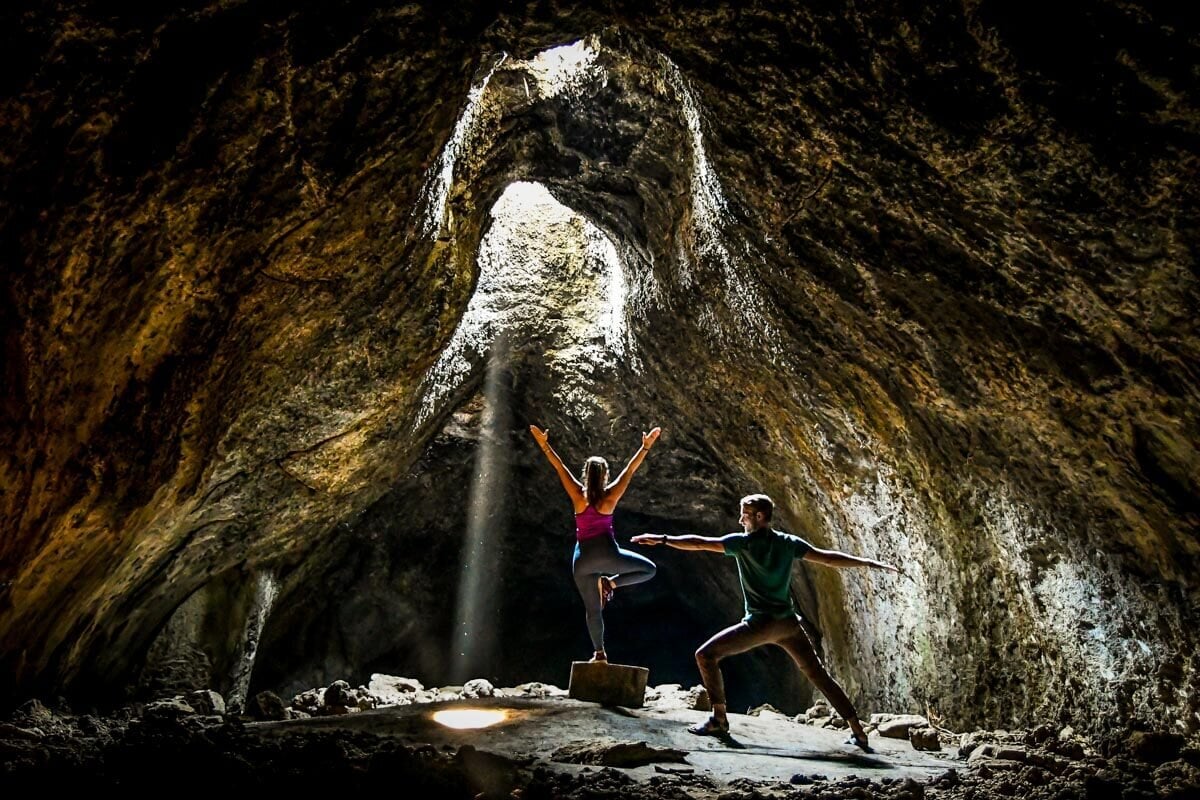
(595, 469)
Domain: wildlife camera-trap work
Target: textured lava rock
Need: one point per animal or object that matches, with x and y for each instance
(925, 276)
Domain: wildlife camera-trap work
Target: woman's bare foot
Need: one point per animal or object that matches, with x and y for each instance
(600, 657)
(606, 587)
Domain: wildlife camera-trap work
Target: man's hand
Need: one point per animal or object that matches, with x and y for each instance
(541, 436)
(886, 567)
(648, 439)
(650, 538)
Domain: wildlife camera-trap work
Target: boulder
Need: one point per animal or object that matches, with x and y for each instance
(391, 690)
(206, 701)
(268, 706)
(924, 739)
(608, 684)
(168, 708)
(898, 726)
(478, 687)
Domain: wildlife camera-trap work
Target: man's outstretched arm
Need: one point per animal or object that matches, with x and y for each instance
(840, 560)
(709, 543)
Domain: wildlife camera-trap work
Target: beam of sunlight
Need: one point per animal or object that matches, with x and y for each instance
(469, 718)
(475, 625)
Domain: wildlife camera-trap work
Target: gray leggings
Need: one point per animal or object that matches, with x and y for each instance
(601, 556)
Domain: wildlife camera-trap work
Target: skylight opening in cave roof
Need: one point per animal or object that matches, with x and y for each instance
(564, 69)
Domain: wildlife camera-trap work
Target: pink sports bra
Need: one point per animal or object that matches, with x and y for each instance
(590, 523)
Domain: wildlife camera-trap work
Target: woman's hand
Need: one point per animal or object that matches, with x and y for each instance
(650, 538)
(648, 439)
(539, 435)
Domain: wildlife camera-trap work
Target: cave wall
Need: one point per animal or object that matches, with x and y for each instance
(925, 275)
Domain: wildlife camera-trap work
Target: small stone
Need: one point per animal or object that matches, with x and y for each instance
(758, 710)
(898, 726)
(1013, 753)
(34, 710)
(984, 752)
(547, 690)
(478, 687)
(820, 709)
(206, 701)
(924, 739)
(310, 701)
(1036, 776)
(997, 752)
(1047, 761)
(698, 699)
(338, 695)
(948, 779)
(391, 690)
(1070, 748)
(1040, 734)
(968, 742)
(267, 705)
(168, 708)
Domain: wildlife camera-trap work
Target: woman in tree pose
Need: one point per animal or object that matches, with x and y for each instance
(599, 565)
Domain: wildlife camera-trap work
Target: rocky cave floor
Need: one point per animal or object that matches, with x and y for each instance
(381, 737)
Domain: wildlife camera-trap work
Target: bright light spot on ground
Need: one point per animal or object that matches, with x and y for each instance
(468, 718)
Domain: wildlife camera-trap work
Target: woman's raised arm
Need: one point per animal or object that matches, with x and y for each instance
(615, 490)
(574, 487)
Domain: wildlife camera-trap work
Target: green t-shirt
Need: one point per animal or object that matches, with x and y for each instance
(764, 561)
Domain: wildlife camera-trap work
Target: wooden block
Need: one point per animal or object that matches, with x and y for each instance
(608, 684)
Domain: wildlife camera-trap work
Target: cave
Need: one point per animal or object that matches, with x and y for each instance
(284, 289)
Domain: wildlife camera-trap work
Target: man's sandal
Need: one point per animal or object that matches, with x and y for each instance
(710, 727)
(860, 742)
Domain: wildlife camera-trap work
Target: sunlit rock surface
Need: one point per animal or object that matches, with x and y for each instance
(927, 278)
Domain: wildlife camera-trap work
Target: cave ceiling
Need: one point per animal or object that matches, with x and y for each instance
(926, 275)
